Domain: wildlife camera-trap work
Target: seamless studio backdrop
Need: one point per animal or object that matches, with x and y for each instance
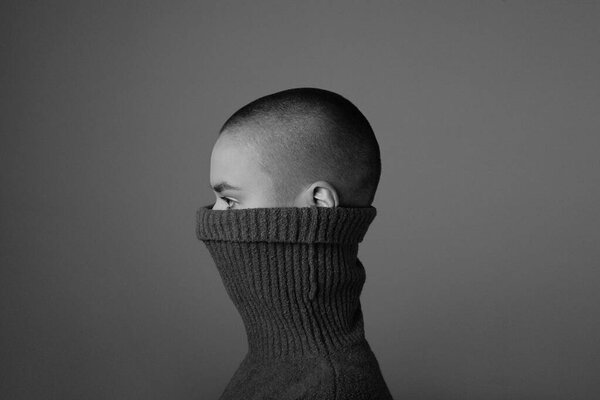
(482, 264)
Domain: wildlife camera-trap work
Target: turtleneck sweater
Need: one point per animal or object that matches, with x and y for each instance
(294, 276)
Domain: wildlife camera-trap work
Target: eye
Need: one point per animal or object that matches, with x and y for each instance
(230, 203)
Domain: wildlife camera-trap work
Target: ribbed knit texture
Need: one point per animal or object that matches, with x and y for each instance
(294, 276)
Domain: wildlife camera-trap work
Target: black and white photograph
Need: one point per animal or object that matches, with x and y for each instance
(300, 200)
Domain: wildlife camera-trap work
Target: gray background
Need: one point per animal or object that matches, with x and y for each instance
(482, 265)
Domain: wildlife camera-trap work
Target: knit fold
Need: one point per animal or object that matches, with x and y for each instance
(289, 225)
(294, 276)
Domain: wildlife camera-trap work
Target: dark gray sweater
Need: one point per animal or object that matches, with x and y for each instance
(294, 276)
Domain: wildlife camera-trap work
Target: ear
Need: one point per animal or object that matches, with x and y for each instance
(318, 194)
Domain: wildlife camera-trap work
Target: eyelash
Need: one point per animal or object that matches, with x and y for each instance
(228, 201)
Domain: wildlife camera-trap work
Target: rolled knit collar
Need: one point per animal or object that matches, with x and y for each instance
(285, 224)
(292, 273)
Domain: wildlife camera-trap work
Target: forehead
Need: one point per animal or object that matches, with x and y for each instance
(237, 163)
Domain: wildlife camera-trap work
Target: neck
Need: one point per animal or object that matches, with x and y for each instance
(292, 273)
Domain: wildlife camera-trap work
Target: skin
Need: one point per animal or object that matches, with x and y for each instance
(239, 182)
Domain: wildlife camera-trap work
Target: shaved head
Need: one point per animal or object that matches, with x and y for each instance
(305, 135)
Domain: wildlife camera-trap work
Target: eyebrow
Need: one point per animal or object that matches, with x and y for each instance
(222, 186)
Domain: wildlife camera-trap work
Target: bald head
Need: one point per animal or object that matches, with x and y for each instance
(305, 135)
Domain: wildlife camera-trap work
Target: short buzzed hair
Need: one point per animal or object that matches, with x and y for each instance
(306, 134)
